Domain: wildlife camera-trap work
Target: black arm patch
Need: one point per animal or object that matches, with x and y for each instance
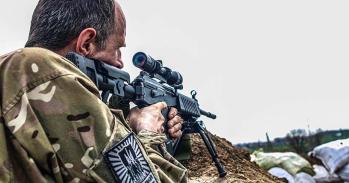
(127, 162)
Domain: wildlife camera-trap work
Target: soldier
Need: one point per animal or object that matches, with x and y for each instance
(54, 126)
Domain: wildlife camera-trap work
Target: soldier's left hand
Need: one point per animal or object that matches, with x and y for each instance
(174, 123)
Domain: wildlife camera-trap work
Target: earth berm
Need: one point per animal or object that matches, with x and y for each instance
(235, 160)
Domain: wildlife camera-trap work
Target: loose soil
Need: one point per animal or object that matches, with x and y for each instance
(235, 160)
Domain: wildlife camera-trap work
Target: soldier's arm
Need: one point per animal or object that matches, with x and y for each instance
(59, 128)
(151, 134)
(168, 168)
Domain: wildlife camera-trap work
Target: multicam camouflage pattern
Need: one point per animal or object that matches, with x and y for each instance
(170, 168)
(55, 128)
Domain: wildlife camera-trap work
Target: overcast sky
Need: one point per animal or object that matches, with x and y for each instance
(261, 66)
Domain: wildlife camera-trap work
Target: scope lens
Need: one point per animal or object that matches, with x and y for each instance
(146, 63)
(139, 59)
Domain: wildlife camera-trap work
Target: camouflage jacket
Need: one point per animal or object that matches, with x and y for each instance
(55, 128)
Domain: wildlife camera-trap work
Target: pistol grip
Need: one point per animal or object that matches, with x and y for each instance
(169, 143)
(164, 113)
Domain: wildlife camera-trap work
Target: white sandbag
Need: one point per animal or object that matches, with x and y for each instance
(281, 173)
(289, 161)
(334, 155)
(322, 175)
(303, 178)
(344, 173)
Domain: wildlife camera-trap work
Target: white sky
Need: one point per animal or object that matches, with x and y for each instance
(261, 66)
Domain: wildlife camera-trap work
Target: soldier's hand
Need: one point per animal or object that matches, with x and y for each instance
(148, 118)
(174, 123)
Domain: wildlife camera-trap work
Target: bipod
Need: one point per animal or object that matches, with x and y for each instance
(199, 127)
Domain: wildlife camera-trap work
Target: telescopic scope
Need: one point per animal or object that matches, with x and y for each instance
(152, 66)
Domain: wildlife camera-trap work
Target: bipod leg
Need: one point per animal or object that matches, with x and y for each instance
(212, 150)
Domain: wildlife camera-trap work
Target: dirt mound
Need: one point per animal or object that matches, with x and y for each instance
(235, 160)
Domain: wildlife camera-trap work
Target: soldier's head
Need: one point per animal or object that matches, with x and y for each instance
(93, 28)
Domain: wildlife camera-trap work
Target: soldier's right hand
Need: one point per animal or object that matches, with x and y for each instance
(148, 118)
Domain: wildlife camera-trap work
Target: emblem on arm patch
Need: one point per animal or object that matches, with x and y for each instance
(127, 162)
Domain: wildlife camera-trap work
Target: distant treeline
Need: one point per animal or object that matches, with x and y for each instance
(297, 140)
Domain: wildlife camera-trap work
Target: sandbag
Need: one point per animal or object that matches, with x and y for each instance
(322, 175)
(281, 173)
(291, 162)
(334, 155)
(303, 178)
(344, 173)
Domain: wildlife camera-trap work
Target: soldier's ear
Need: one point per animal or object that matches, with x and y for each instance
(86, 42)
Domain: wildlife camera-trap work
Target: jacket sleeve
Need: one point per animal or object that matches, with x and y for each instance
(168, 168)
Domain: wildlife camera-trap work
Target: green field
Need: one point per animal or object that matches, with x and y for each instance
(301, 144)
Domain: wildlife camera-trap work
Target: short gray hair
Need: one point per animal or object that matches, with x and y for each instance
(57, 22)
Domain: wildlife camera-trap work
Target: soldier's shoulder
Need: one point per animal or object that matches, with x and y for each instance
(22, 55)
(27, 68)
(38, 61)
